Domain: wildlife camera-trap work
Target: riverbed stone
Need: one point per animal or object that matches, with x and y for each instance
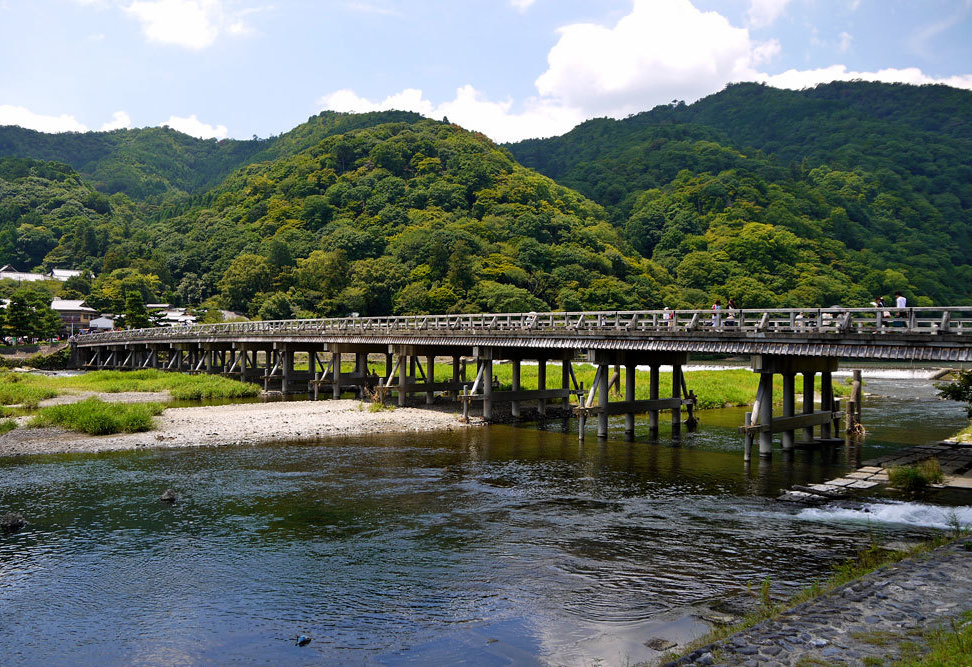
(660, 644)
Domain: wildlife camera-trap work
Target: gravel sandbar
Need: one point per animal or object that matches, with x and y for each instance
(239, 424)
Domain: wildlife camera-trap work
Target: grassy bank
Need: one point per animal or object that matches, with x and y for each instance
(27, 389)
(97, 417)
(714, 389)
(965, 435)
(179, 385)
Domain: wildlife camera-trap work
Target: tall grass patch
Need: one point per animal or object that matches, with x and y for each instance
(96, 417)
(179, 385)
(916, 478)
(24, 389)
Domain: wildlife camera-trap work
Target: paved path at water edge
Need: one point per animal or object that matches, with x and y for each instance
(875, 617)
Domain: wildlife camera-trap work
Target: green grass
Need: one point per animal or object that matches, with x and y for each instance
(179, 385)
(28, 389)
(950, 645)
(96, 417)
(916, 478)
(7, 425)
(24, 389)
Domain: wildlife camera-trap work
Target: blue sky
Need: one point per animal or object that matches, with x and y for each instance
(509, 68)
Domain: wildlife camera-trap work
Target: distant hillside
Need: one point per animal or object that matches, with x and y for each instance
(835, 195)
(156, 161)
(884, 168)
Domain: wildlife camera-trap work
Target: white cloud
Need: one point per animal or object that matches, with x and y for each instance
(763, 13)
(347, 100)
(659, 52)
(191, 24)
(196, 128)
(120, 120)
(540, 118)
(186, 23)
(522, 5)
(11, 115)
(799, 79)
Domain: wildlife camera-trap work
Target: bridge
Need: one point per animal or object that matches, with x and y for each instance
(782, 342)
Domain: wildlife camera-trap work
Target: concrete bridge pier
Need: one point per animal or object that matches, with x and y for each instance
(542, 386)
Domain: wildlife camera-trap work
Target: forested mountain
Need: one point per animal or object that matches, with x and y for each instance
(158, 161)
(832, 195)
(886, 169)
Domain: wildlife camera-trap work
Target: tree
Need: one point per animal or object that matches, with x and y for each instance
(136, 316)
(110, 290)
(246, 276)
(29, 314)
(959, 390)
(277, 306)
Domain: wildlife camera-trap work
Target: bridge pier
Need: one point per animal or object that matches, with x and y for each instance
(482, 388)
(409, 376)
(629, 406)
(761, 420)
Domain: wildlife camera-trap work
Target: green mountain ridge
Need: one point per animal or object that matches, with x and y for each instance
(890, 165)
(156, 161)
(837, 194)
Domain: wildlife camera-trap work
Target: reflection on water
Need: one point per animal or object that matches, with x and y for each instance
(487, 545)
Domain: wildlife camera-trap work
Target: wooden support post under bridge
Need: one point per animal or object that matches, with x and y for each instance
(629, 406)
(761, 421)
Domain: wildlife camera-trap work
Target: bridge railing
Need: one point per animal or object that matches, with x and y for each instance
(921, 321)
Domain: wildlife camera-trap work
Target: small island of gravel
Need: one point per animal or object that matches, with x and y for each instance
(237, 424)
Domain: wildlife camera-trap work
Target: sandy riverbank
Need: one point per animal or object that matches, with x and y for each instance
(239, 424)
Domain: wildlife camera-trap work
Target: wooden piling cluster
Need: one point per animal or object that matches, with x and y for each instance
(681, 398)
(761, 424)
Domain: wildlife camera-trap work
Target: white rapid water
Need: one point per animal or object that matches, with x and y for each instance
(911, 514)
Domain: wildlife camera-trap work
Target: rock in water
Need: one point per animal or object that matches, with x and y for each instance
(660, 644)
(303, 640)
(11, 522)
(168, 496)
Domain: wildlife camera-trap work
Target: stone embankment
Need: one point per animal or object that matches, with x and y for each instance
(874, 620)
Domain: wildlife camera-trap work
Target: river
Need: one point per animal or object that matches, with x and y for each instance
(499, 545)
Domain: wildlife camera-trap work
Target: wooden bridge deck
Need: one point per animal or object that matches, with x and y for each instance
(913, 334)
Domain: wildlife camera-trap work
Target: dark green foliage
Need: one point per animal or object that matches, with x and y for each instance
(883, 169)
(136, 316)
(29, 314)
(958, 390)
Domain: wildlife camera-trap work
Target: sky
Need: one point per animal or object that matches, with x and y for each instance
(512, 69)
